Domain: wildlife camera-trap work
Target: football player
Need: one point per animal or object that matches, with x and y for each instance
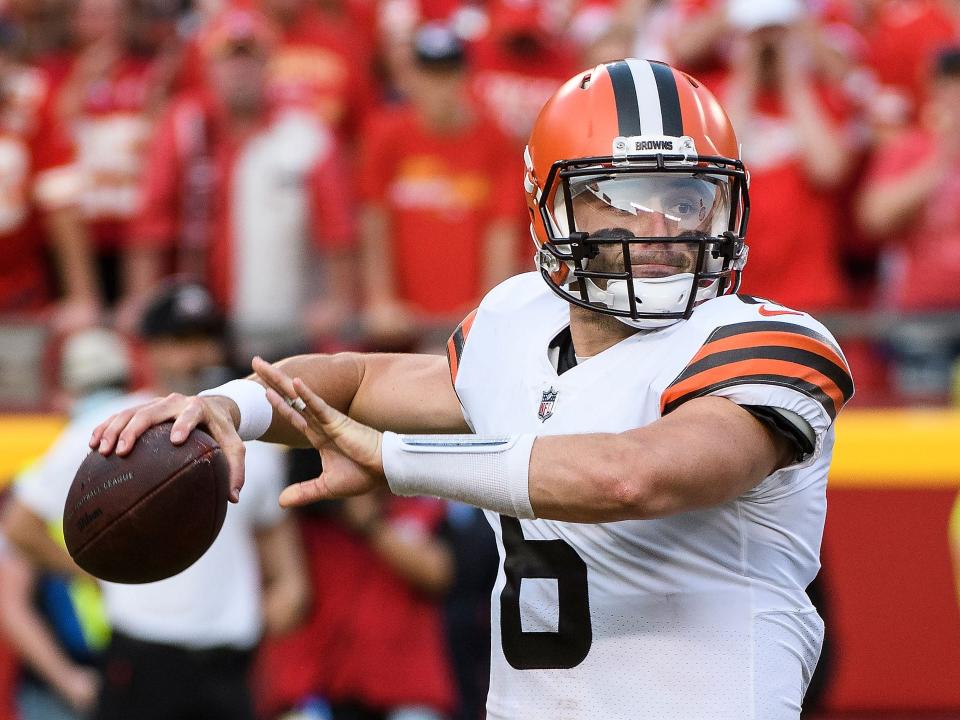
(650, 447)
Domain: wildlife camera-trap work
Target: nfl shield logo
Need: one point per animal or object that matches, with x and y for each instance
(547, 400)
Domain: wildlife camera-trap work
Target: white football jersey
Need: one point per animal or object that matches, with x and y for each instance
(701, 615)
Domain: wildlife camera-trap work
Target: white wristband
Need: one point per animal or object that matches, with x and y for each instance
(491, 473)
(256, 413)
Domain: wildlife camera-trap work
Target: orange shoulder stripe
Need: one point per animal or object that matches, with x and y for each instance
(743, 370)
(786, 339)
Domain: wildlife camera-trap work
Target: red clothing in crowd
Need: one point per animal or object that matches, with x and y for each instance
(794, 244)
(9, 671)
(111, 132)
(37, 174)
(711, 68)
(924, 261)
(323, 69)
(902, 39)
(512, 88)
(371, 637)
(440, 192)
(254, 204)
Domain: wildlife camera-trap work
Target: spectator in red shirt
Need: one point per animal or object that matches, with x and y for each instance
(911, 200)
(902, 38)
(911, 204)
(319, 67)
(105, 102)
(437, 230)
(373, 647)
(252, 199)
(700, 36)
(518, 65)
(798, 147)
(39, 188)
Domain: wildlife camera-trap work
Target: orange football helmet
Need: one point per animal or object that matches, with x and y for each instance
(642, 141)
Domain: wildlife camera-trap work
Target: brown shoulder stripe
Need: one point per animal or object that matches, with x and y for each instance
(795, 356)
(456, 342)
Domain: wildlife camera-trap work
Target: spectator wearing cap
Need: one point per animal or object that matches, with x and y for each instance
(910, 206)
(180, 648)
(39, 199)
(438, 227)
(92, 361)
(250, 198)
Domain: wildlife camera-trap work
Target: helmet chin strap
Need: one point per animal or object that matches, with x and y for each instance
(668, 294)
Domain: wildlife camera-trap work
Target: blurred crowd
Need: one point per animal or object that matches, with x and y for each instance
(320, 175)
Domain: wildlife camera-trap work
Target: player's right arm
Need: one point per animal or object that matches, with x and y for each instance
(405, 393)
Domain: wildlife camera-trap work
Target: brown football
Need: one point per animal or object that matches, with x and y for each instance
(151, 514)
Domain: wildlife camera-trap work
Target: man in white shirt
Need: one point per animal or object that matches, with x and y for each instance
(180, 647)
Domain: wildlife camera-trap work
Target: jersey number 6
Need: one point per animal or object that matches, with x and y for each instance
(552, 559)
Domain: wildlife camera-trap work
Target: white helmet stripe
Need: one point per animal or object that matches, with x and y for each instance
(648, 97)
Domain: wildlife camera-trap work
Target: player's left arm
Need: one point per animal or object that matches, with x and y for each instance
(757, 397)
(707, 452)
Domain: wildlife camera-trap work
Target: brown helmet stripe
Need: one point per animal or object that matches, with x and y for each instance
(669, 99)
(625, 96)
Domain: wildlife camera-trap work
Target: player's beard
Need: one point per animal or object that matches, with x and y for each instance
(648, 260)
(601, 323)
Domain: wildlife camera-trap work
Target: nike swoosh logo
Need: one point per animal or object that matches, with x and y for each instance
(767, 312)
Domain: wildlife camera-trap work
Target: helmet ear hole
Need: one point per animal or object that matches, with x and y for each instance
(585, 83)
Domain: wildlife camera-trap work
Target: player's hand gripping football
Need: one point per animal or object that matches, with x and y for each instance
(119, 432)
(350, 451)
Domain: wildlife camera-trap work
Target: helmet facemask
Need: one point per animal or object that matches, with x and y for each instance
(644, 241)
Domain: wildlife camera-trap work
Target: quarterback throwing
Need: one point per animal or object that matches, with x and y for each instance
(650, 447)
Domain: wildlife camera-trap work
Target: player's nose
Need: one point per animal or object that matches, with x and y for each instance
(657, 224)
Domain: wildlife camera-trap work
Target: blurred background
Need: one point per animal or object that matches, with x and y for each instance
(186, 183)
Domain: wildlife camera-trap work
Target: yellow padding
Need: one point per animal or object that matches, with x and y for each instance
(23, 439)
(875, 448)
(897, 448)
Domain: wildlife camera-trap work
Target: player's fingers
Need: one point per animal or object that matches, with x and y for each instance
(309, 426)
(145, 418)
(99, 432)
(114, 426)
(218, 422)
(189, 417)
(331, 420)
(306, 492)
(281, 407)
(274, 377)
(356, 440)
(235, 452)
